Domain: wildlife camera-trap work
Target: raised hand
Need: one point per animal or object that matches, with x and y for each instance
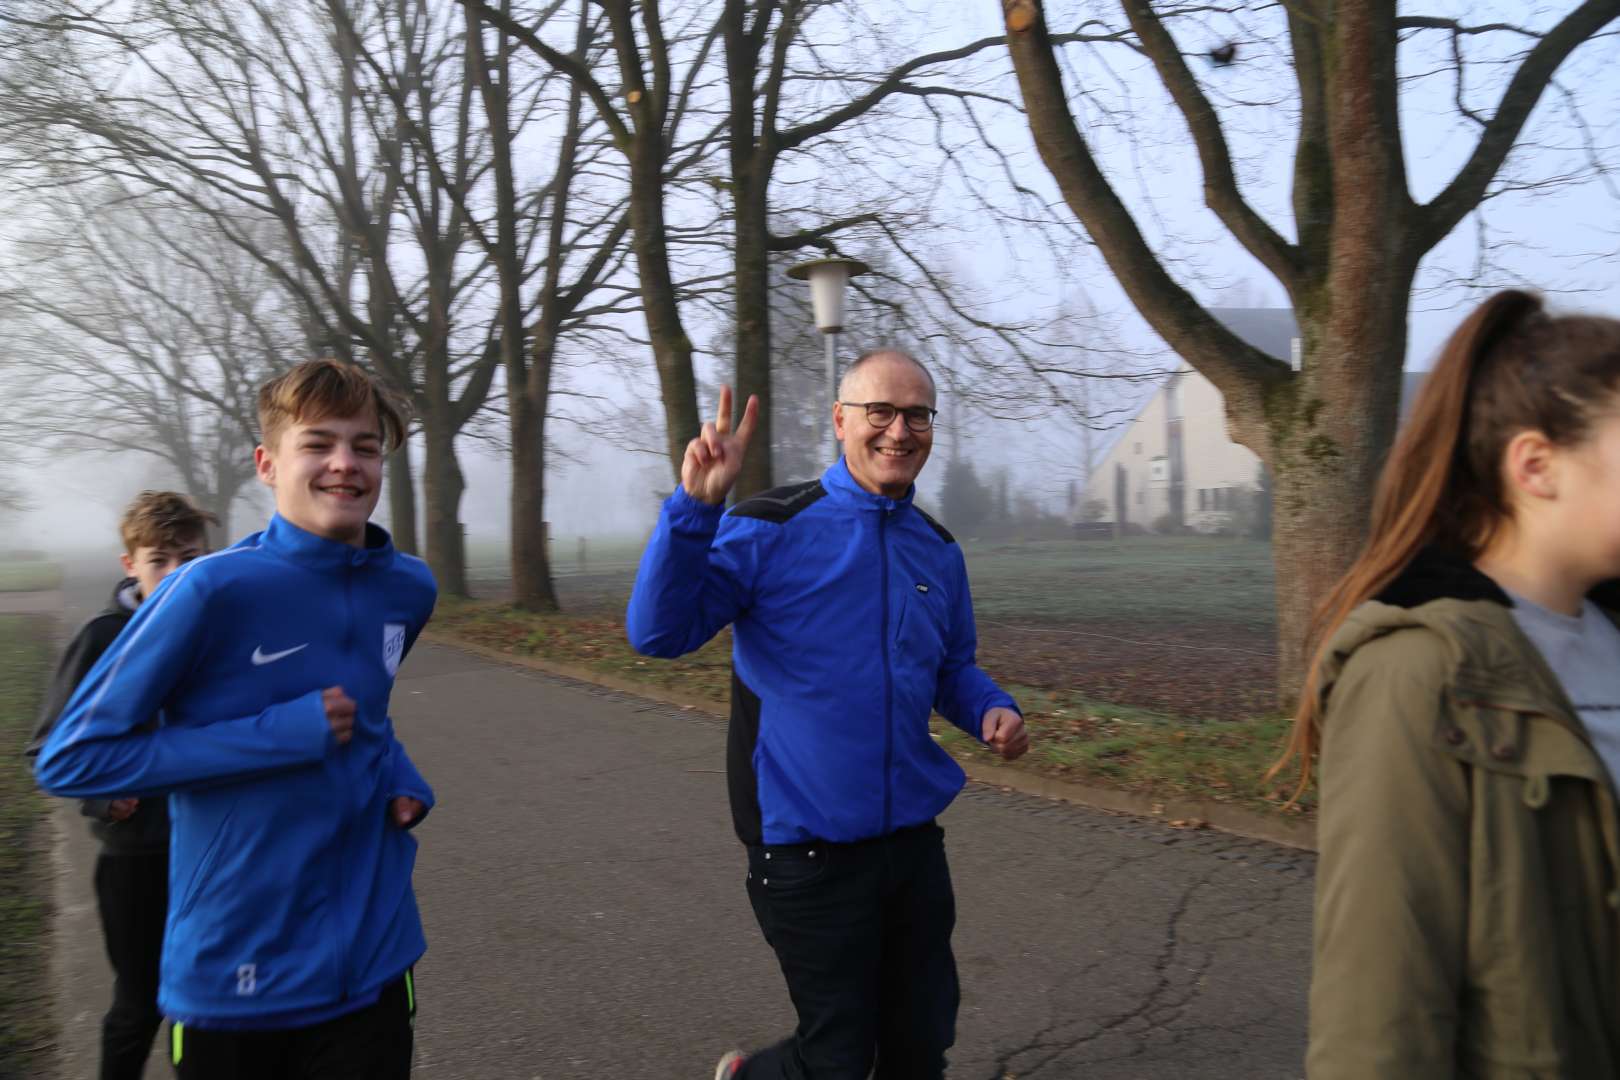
(715, 457)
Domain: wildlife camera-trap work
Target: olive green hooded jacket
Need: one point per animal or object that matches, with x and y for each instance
(1467, 903)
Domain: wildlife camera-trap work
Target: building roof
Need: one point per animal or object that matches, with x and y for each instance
(1271, 330)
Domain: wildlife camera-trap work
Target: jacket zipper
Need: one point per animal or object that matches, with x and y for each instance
(342, 836)
(888, 674)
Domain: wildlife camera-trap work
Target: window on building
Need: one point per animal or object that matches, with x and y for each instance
(1203, 498)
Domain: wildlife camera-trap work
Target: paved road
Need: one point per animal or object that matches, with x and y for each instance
(586, 916)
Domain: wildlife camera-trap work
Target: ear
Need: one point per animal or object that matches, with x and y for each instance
(128, 563)
(1530, 466)
(264, 465)
(838, 421)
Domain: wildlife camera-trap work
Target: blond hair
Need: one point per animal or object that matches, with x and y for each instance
(318, 389)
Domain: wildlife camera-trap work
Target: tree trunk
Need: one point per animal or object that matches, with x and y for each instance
(1327, 434)
(1330, 430)
(753, 299)
(402, 499)
(227, 485)
(442, 487)
(528, 386)
(531, 560)
(672, 349)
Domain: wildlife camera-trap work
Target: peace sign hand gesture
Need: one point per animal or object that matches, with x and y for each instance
(715, 457)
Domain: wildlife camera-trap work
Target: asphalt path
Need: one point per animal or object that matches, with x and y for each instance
(583, 897)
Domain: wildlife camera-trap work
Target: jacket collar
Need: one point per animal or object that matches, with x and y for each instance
(842, 487)
(1437, 574)
(1493, 662)
(289, 541)
(126, 597)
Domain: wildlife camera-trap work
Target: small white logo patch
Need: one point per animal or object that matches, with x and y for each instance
(393, 646)
(247, 980)
(261, 658)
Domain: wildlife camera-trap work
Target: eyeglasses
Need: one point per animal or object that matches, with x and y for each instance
(880, 414)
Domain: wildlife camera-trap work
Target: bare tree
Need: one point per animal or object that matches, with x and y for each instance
(574, 259)
(352, 126)
(146, 334)
(782, 96)
(1358, 238)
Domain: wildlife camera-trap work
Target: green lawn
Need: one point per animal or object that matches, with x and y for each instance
(29, 576)
(1144, 579)
(1172, 580)
(26, 1034)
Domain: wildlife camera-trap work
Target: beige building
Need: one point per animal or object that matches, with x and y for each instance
(1174, 467)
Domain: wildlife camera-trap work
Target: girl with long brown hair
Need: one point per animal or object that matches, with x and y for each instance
(1463, 712)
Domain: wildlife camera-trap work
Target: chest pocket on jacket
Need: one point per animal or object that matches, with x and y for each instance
(1531, 750)
(920, 633)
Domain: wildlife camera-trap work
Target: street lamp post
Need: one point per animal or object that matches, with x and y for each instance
(828, 279)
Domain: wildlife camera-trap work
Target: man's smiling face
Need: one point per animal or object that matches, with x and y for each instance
(884, 461)
(327, 474)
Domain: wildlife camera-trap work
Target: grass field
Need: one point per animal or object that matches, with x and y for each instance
(1147, 664)
(26, 1035)
(29, 576)
(1181, 625)
(1158, 581)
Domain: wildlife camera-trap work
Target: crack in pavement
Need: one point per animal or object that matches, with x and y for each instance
(1148, 1004)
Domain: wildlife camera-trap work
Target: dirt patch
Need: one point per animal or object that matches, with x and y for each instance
(1205, 671)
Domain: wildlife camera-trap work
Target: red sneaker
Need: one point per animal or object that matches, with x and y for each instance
(729, 1066)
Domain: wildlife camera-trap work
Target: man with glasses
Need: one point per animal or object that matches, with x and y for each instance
(851, 623)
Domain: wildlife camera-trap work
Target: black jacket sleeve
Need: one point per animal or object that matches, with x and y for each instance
(80, 656)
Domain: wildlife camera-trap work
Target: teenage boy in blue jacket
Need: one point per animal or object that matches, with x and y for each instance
(292, 925)
(851, 621)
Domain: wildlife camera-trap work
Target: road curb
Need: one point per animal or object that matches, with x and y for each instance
(1295, 834)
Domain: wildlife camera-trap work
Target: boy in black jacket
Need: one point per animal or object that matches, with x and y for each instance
(161, 531)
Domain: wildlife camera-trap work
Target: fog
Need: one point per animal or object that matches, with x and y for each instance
(606, 472)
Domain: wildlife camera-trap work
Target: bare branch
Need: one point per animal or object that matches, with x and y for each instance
(1535, 73)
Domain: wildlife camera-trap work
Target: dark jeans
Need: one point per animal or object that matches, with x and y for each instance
(132, 892)
(373, 1043)
(863, 934)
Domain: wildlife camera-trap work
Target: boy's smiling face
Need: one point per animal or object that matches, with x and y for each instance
(326, 474)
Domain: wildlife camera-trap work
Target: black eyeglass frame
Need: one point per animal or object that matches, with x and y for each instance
(910, 412)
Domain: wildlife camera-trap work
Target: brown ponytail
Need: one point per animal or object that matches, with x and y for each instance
(1509, 367)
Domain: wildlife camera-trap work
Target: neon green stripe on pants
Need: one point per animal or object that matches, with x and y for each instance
(176, 1037)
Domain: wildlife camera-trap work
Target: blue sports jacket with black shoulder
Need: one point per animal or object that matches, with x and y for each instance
(290, 896)
(851, 621)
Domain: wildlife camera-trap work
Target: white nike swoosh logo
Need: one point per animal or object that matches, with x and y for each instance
(260, 657)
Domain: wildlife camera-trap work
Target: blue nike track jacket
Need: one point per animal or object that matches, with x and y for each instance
(290, 896)
(851, 622)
